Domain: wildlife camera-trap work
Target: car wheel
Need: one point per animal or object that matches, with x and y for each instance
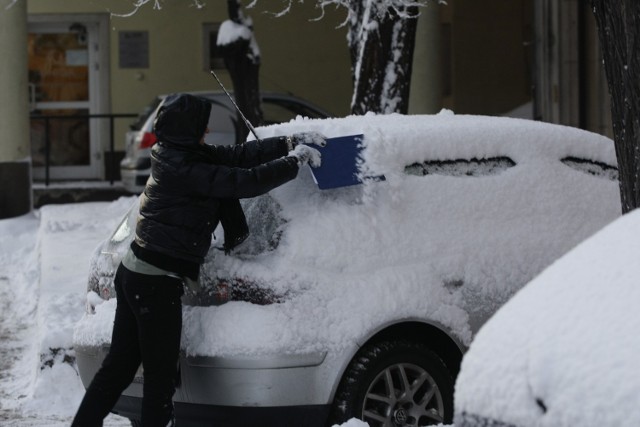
(395, 383)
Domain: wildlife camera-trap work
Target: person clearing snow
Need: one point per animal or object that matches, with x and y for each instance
(192, 188)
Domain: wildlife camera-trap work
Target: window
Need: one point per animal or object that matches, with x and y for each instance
(211, 58)
(264, 214)
(599, 169)
(461, 167)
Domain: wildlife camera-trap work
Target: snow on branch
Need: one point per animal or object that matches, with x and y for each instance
(137, 4)
(383, 7)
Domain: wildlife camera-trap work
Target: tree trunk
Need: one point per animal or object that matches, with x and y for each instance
(242, 59)
(381, 45)
(619, 31)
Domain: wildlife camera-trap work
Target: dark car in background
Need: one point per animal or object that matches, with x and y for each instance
(223, 124)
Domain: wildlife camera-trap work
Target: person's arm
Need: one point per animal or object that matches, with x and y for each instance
(254, 153)
(226, 182)
(249, 154)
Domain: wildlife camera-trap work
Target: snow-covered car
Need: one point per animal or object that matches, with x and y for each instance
(223, 123)
(563, 351)
(361, 301)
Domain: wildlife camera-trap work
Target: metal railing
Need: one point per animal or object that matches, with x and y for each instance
(47, 136)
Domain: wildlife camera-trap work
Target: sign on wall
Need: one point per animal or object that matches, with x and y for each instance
(133, 49)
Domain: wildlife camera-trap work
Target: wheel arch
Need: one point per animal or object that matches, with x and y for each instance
(444, 344)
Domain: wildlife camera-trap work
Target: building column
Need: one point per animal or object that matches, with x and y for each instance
(426, 75)
(15, 160)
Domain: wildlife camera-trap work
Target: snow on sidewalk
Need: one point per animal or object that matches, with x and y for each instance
(44, 260)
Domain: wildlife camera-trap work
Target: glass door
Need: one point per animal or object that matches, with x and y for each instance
(62, 93)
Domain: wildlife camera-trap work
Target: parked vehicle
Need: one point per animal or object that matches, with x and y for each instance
(361, 301)
(135, 167)
(564, 351)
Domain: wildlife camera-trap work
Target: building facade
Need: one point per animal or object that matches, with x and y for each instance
(536, 59)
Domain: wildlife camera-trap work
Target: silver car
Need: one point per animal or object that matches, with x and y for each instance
(223, 123)
(361, 301)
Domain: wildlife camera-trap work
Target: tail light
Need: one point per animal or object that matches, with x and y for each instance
(148, 139)
(221, 292)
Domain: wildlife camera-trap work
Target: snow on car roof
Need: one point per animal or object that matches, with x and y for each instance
(568, 339)
(451, 249)
(399, 139)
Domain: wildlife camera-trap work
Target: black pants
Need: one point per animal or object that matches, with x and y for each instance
(146, 330)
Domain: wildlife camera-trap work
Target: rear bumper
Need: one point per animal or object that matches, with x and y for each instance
(237, 391)
(134, 180)
(192, 415)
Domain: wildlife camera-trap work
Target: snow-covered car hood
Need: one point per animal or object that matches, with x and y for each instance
(564, 350)
(447, 249)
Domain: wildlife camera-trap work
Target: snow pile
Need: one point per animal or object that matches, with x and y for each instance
(45, 263)
(69, 235)
(450, 248)
(564, 350)
(18, 303)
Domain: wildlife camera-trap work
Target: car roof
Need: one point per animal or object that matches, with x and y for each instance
(450, 136)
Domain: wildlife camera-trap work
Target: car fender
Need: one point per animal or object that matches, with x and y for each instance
(409, 328)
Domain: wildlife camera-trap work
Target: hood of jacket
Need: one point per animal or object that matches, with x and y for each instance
(182, 120)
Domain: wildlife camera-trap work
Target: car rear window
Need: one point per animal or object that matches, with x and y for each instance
(461, 167)
(265, 223)
(599, 169)
(144, 115)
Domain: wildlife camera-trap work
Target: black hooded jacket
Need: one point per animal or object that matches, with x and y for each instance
(191, 184)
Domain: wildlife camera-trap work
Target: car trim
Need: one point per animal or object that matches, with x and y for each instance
(258, 362)
(277, 361)
(298, 415)
(365, 338)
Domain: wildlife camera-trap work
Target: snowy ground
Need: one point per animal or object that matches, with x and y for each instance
(44, 263)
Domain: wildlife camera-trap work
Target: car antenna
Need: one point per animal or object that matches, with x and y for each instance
(247, 122)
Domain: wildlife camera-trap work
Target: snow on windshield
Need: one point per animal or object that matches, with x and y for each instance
(452, 248)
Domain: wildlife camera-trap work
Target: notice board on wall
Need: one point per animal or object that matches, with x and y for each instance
(133, 49)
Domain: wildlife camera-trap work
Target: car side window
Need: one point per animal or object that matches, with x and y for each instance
(222, 125)
(599, 169)
(274, 113)
(282, 110)
(461, 167)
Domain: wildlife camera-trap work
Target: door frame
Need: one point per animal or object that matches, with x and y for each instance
(99, 90)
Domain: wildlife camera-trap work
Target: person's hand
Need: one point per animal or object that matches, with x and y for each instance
(309, 138)
(305, 154)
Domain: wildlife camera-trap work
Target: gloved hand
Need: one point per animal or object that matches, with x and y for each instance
(305, 154)
(309, 138)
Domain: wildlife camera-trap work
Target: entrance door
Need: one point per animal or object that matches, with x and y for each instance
(63, 87)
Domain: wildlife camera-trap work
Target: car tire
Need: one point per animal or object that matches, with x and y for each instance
(135, 423)
(422, 387)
